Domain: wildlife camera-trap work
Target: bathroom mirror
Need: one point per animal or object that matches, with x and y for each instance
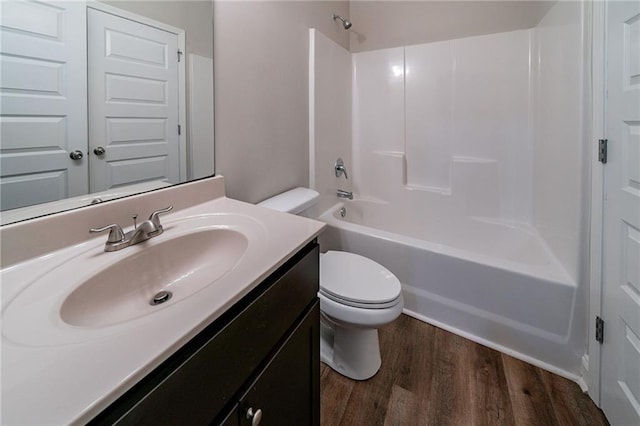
(102, 99)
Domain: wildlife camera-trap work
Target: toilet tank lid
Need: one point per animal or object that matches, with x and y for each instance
(293, 201)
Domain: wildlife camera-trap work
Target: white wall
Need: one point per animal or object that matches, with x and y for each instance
(193, 16)
(329, 117)
(384, 24)
(261, 66)
(446, 125)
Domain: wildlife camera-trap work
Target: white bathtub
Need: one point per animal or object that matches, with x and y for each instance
(493, 283)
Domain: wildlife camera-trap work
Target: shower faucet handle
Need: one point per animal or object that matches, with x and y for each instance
(340, 169)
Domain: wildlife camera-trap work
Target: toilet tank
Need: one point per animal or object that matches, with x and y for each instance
(293, 201)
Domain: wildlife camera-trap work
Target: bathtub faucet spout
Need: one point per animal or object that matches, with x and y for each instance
(345, 194)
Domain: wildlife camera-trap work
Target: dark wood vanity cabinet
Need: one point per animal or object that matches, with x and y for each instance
(261, 358)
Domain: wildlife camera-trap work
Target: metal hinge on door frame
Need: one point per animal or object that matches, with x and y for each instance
(179, 130)
(599, 330)
(602, 151)
(179, 54)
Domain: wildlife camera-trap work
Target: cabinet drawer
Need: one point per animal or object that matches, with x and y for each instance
(208, 376)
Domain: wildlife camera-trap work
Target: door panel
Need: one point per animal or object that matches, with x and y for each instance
(122, 88)
(133, 92)
(620, 370)
(124, 172)
(43, 98)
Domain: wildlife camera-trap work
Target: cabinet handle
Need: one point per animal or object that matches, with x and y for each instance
(254, 416)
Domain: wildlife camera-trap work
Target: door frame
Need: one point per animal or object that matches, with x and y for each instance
(182, 87)
(598, 131)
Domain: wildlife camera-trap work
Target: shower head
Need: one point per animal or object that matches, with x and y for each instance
(345, 23)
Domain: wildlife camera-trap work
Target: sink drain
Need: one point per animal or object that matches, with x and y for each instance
(161, 297)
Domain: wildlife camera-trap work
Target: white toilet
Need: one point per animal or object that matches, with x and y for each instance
(357, 296)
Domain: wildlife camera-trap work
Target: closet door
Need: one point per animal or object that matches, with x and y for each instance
(43, 101)
(620, 356)
(133, 102)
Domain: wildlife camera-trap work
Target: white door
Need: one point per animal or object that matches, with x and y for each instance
(43, 101)
(133, 102)
(620, 362)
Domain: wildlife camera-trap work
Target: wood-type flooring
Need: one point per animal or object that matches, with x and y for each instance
(432, 377)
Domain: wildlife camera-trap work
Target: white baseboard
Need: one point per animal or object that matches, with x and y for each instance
(583, 380)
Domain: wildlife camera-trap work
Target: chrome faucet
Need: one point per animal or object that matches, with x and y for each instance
(118, 240)
(345, 194)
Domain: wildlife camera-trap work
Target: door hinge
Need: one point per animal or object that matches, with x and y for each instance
(602, 151)
(179, 130)
(599, 330)
(179, 54)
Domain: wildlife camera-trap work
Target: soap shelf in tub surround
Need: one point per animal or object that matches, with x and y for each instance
(74, 373)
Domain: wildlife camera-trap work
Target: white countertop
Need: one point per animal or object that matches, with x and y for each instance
(69, 383)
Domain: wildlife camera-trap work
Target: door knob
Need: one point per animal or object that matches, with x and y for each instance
(99, 150)
(76, 155)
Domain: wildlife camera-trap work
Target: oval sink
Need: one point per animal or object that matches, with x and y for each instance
(181, 266)
(83, 293)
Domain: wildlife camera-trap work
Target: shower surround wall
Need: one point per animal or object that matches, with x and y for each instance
(469, 157)
(447, 124)
(560, 148)
(329, 118)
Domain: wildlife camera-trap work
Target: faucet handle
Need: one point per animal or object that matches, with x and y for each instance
(115, 232)
(154, 217)
(340, 169)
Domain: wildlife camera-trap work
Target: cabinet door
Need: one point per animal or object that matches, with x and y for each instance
(231, 419)
(287, 392)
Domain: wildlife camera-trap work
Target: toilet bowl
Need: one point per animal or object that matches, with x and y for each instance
(357, 296)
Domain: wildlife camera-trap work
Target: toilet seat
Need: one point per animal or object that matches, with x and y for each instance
(361, 305)
(357, 281)
(355, 317)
